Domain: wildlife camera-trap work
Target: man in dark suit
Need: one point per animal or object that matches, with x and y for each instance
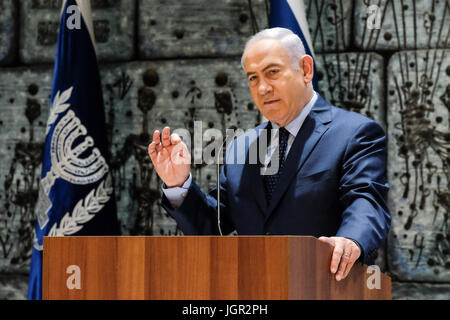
(331, 178)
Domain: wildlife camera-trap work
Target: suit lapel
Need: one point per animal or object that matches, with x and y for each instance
(257, 186)
(313, 128)
(254, 173)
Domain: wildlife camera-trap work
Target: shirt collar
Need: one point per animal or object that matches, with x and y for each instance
(294, 126)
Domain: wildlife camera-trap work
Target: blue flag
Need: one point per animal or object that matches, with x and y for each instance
(290, 14)
(76, 194)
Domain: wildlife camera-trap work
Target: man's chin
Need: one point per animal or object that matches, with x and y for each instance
(274, 120)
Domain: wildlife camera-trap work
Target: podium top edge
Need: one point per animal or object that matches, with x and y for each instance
(146, 237)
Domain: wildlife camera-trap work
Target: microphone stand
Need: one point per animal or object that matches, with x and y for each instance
(218, 179)
(218, 190)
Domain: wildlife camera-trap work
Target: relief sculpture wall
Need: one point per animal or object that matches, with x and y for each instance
(178, 63)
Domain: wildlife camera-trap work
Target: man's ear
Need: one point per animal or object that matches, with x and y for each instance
(307, 67)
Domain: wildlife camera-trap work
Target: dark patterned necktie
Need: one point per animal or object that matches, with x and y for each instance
(271, 181)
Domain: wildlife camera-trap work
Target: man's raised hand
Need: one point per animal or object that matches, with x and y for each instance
(170, 157)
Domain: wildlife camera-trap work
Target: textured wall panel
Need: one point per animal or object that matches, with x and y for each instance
(406, 24)
(329, 24)
(420, 291)
(353, 81)
(8, 31)
(23, 115)
(195, 28)
(419, 155)
(113, 27)
(13, 287)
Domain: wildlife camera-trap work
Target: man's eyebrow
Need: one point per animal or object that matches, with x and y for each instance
(267, 67)
(270, 66)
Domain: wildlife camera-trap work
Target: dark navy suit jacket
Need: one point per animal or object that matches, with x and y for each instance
(333, 184)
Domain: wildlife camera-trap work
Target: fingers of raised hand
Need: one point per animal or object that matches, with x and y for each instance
(166, 137)
(167, 140)
(180, 154)
(175, 139)
(156, 142)
(152, 148)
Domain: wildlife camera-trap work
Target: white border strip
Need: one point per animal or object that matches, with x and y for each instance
(86, 13)
(298, 8)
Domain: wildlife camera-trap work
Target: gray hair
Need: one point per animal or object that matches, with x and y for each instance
(289, 41)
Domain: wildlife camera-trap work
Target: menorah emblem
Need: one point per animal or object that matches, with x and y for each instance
(67, 161)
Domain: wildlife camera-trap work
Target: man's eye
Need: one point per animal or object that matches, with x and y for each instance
(251, 79)
(274, 71)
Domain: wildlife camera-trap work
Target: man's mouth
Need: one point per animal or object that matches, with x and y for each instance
(271, 102)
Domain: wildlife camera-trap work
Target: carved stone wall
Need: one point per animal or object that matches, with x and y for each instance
(177, 63)
(419, 158)
(8, 31)
(114, 29)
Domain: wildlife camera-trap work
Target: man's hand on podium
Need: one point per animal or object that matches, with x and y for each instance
(345, 253)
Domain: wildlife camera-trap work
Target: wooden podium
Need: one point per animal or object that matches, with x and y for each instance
(199, 268)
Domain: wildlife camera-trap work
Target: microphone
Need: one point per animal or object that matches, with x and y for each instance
(218, 174)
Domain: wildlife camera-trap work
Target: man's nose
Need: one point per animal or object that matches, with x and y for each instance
(264, 88)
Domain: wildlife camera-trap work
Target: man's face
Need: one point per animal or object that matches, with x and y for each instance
(276, 87)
